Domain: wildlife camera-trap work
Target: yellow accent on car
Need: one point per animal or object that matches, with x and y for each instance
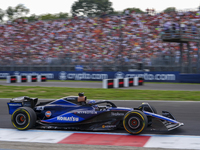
(28, 119)
(142, 119)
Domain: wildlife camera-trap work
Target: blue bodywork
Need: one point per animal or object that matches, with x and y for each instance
(13, 106)
(63, 111)
(68, 113)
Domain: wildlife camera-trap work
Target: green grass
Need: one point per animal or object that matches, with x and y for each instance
(97, 93)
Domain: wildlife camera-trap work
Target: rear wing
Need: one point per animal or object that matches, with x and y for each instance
(13, 106)
(23, 101)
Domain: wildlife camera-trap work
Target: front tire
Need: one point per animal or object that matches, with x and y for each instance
(135, 121)
(23, 118)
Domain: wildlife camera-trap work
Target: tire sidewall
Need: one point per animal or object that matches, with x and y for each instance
(142, 121)
(30, 118)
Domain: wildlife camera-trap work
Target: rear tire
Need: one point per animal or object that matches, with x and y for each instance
(135, 121)
(23, 118)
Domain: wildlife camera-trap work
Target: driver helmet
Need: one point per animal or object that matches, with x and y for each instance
(92, 102)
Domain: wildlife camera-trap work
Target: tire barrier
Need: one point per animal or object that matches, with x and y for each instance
(11, 79)
(119, 82)
(108, 83)
(32, 78)
(21, 79)
(141, 81)
(122, 82)
(41, 78)
(29, 78)
(128, 82)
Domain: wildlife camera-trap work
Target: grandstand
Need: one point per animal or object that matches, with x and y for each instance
(123, 42)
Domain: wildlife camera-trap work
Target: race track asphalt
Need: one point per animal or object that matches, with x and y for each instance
(186, 112)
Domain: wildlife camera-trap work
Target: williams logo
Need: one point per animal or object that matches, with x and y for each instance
(15, 104)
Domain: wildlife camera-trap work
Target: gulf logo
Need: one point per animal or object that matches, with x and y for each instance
(48, 114)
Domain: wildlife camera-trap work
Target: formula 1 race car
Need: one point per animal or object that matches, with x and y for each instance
(74, 113)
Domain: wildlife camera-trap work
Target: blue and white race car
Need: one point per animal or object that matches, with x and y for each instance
(75, 113)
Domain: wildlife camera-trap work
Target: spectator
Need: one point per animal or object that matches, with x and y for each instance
(106, 40)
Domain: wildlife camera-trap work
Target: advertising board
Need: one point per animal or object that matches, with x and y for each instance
(99, 76)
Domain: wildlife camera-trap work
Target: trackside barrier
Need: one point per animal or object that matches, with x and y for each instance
(11, 79)
(108, 83)
(119, 82)
(131, 81)
(32, 78)
(41, 78)
(122, 82)
(23, 78)
(136, 81)
(128, 82)
(141, 81)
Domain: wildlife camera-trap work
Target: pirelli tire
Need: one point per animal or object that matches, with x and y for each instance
(24, 118)
(135, 121)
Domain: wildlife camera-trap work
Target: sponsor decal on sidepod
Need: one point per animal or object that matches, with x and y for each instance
(117, 114)
(15, 104)
(48, 114)
(68, 118)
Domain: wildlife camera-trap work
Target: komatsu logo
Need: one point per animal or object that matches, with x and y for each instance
(68, 118)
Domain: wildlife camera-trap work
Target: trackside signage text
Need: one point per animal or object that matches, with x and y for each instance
(150, 76)
(99, 76)
(82, 76)
(146, 76)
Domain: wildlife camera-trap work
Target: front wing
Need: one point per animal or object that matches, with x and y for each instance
(163, 123)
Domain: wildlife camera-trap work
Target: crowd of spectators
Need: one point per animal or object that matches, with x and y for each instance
(128, 39)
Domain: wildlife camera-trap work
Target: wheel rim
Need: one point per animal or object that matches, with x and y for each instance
(20, 119)
(134, 122)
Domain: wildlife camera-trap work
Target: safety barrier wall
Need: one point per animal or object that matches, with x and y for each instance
(99, 76)
(23, 78)
(11, 79)
(122, 82)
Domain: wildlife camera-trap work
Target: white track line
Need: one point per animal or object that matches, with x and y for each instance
(32, 136)
(52, 136)
(174, 142)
